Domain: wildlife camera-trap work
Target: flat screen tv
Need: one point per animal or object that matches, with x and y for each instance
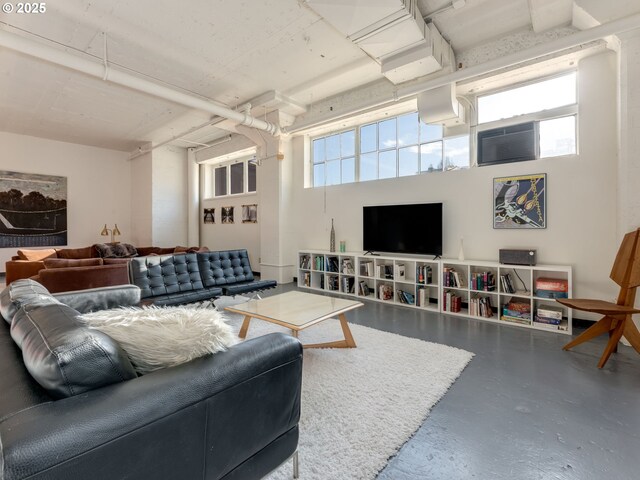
(413, 228)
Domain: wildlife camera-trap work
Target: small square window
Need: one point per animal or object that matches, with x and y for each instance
(237, 178)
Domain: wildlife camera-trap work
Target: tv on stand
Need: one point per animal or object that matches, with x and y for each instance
(409, 228)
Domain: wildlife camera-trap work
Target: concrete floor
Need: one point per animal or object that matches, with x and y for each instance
(522, 409)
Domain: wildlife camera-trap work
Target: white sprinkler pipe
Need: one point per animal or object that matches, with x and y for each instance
(110, 74)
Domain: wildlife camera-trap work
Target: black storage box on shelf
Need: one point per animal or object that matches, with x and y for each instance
(517, 257)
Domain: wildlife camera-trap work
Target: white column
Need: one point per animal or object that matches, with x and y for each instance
(629, 136)
(193, 198)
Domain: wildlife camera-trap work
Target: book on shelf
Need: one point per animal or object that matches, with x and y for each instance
(332, 282)
(552, 287)
(507, 284)
(332, 264)
(364, 289)
(424, 274)
(451, 302)
(483, 281)
(385, 271)
(481, 307)
(451, 278)
(548, 321)
(366, 269)
(405, 297)
(348, 284)
(319, 262)
(385, 292)
(549, 312)
(520, 320)
(421, 298)
(306, 279)
(305, 262)
(347, 266)
(399, 271)
(546, 326)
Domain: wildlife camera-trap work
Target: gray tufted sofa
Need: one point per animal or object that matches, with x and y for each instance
(193, 277)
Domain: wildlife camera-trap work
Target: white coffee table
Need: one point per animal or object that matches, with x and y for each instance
(297, 311)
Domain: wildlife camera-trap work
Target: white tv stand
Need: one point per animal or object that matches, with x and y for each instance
(381, 274)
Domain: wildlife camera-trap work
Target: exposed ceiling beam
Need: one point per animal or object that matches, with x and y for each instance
(547, 14)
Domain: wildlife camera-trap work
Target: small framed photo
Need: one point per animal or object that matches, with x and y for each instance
(227, 215)
(520, 201)
(250, 213)
(209, 215)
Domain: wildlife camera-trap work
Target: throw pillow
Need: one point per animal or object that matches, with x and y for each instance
(118, 250)
(35, 255)
(161, 337)
(71, 262)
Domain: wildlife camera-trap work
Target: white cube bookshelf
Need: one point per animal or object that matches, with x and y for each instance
(470, 288)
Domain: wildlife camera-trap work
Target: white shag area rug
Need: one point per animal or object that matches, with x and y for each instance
(360, 405)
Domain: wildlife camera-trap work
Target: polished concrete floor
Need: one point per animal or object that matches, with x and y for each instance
(522, 409)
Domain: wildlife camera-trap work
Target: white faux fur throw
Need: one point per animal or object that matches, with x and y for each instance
(160, 337)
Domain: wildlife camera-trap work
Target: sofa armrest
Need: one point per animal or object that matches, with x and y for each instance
(68, 279)
(17, 269)
(201, 419)
(102, 298)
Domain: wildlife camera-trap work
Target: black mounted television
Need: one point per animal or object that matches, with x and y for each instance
(413, 228)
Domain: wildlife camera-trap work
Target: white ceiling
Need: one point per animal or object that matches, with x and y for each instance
(229, 51)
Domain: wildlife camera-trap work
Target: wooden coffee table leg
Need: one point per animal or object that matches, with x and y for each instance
(346, 331)
(348, 341)
(245, 327)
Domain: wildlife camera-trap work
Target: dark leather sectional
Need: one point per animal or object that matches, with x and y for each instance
(193, 277)
(71, 406)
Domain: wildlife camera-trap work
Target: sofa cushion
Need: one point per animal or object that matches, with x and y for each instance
(118, 250)
(247, 287)
(37, 254)
(71, 262)
(115, 261)
(64, 356)
(156, 338)
(165, 274)
(75, 253)
(23, 292)
(224, 267)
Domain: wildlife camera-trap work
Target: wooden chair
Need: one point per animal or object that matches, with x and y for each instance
(617, 319)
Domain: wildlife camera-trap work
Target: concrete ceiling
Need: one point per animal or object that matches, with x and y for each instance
(228, 51)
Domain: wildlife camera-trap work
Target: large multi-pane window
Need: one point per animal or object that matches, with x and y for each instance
(393, 147)
(236, 178)
(532, 121)
(334, 159)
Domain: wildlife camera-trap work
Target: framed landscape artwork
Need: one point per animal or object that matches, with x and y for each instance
(33, 210)
(520, 201)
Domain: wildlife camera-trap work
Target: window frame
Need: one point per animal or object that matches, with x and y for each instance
(535, 117)
(245, 178)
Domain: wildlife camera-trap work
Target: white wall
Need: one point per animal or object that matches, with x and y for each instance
(98, 184)
(237, 235)
(581, 196)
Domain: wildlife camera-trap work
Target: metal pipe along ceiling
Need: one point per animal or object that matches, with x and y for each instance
(110, 74)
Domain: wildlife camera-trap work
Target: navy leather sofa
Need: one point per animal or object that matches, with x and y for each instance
(72, 407)
(193, 277)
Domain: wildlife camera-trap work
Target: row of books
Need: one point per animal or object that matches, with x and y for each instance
(347, 266)
(306, 279)
(406, 297)
(517, 311)
(385, 271)
(451, 278)
(506, 284)
(363, 289)
(451, 302)
(305, 262)
(548, 317)
(552, 288)
(348, 284)
(332, 282)
(385, 292)
(422, 297)
(481, 307)
(318, 262)
(366, 269)
(483, 281)
(332, 264)
(424, 274)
